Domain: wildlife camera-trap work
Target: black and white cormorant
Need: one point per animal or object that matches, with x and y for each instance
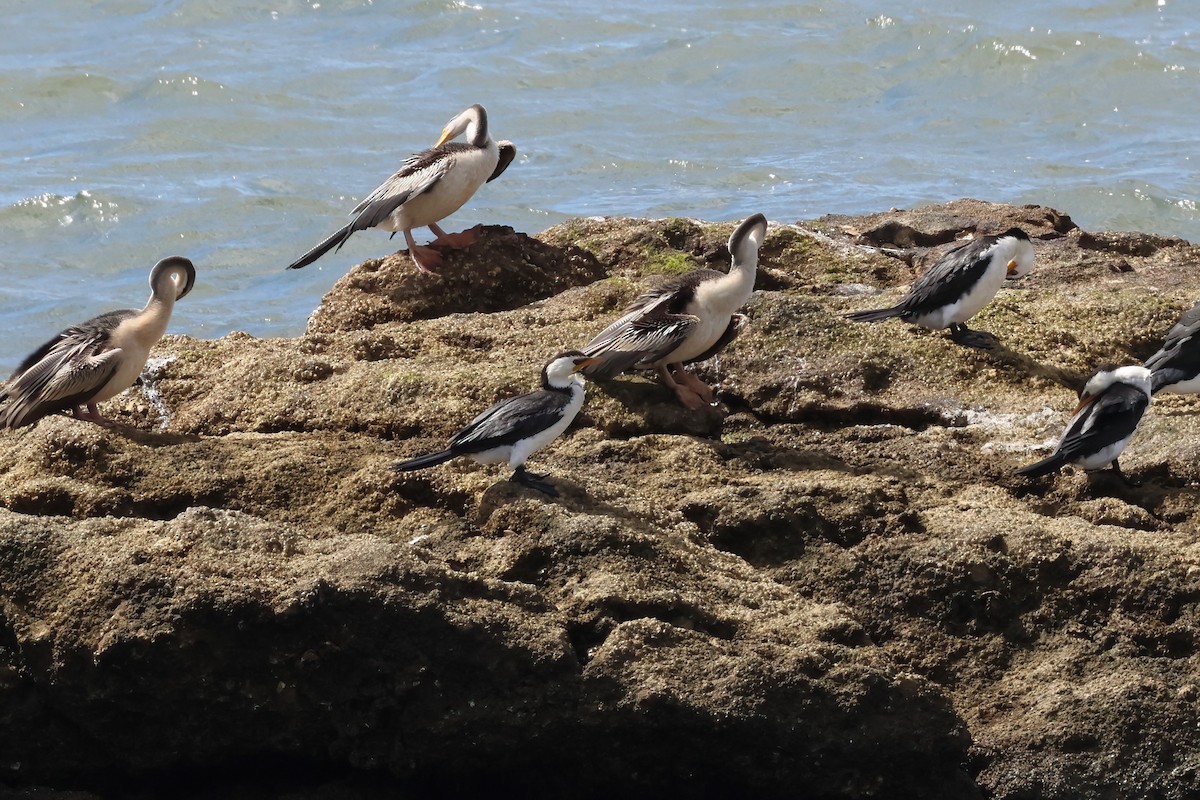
(1110, 406)
(1175, 368)
(959, 284)
(515, 428)
(428, 187)
(92, 362)
(687, 319)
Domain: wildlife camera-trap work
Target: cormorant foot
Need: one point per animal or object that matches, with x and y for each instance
(983, 340)
(534, 481)
(699, 387)
(93, 415)
(1133, 483)
(425, 258)
(455, 241)
(684, 389)
(688, 397)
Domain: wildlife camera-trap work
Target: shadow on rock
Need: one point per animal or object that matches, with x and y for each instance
(154, 438)
(648, 408)
(1027, 366)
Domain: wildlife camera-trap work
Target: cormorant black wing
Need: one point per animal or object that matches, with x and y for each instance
(950, 278)
(508, 151)
(1187, 326)
(1179, 358)
(95, 329)
(680, 290)
(1176, 364)
(1111, 417)
(417, 175)
(641, 342)
(653, 325)
(511, 420)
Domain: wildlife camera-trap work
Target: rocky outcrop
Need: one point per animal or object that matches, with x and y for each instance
(833, 588)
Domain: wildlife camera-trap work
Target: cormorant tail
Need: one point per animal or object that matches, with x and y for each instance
(1044, 467)
(612, 363)
(875, 315)
(334, 241)
(420, 462)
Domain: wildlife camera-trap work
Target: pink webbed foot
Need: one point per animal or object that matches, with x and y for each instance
(689, 398)
(93, 415)
(426, 258)
(455, 241)
(686, 394)
(698, 386)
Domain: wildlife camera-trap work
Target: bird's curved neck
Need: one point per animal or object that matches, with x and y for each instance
(158, 309)
(477, 130)
(162, 301)
(730, 292)
(746, 270)
(148, 325)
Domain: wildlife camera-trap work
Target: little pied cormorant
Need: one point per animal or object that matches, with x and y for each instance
(513, 429)
(959, 284)
(1110, 406)
(1175, 368)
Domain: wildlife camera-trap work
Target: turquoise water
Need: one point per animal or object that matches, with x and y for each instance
(240, 134)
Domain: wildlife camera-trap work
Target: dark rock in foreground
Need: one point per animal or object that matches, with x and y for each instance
(837, 591)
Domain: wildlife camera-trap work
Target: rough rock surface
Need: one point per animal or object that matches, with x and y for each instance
(837, 588)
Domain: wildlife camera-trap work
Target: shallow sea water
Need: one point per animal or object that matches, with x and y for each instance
(240, 134)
